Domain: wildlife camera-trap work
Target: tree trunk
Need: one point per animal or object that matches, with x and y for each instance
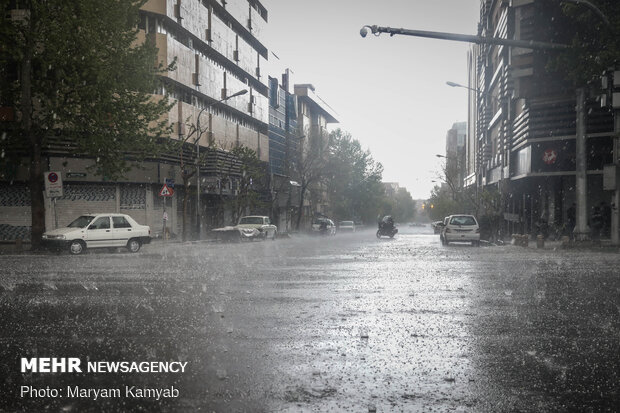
(37, 202)
(185, 198)
(301, 207)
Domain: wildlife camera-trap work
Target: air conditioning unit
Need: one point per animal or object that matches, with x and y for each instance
(208, 35)
(236, 55)
(177, 11)
(250, 107)
(258, 72)
(250, 24)
(195, 79)
(223, 93)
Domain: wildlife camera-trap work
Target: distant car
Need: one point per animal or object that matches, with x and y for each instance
(248, 226)
(460, 228)
(329, 224)
(437, 226)
(346, 226)
(99, 231)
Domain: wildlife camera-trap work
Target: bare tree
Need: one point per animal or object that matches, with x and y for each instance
(308, 169)
(186, 152)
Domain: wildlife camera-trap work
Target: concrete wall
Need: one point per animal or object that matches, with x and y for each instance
(140, 201)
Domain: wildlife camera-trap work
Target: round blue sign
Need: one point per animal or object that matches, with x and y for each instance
(52, 177)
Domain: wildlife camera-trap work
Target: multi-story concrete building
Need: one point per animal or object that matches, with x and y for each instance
(219, 50)
(284, 146)
(455, 154)
(522, 121)
(312, 119)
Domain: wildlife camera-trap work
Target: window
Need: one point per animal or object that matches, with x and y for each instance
(463, 220)
(120, 222)
(81, 222)
(101, 223)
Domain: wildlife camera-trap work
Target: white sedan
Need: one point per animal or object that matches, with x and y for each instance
(249, 228)
(251, 223)
(460, 228)
(98, 231)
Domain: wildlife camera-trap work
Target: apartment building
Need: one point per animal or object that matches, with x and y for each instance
(284, 145)
(219, 50)
(522, 120)
(313, 116)
(455, 166)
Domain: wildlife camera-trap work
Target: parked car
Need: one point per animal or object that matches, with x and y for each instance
(98, 231)
(346, 226)
(437, 226)
(329, 228)
(257, 226)
(460, 228)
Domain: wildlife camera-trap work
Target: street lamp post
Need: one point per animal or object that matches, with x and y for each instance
(198, 136)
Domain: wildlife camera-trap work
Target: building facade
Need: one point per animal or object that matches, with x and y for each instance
(522, 122)
(284, 145)
(313, 116)
(219, 50)
(456, 167)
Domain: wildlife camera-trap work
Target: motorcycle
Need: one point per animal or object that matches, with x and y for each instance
(386, 230)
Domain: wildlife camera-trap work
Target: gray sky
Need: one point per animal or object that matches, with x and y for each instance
(390, 92)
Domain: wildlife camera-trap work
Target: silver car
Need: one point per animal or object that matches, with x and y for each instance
(460, 228)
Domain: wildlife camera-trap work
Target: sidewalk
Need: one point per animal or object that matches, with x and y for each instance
(603, 245)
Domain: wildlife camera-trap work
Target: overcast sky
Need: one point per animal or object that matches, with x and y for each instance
(390, 92)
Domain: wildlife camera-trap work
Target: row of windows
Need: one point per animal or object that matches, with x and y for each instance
(155, 25)
(190, 98)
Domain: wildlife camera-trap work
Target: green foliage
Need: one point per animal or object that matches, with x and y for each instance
(595, 43)
(250, 182)
(353, 179)
(443, 204)
(401, 206)
(83, 78)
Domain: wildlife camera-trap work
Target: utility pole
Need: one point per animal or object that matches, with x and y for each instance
(615, 207)
(581, 227)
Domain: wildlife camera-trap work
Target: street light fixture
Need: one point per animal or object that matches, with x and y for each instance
(198, 136)
(453, 84)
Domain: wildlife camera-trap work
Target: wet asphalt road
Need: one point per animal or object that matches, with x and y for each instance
(344, 323)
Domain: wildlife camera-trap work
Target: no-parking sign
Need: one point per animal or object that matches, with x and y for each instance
(53, 184)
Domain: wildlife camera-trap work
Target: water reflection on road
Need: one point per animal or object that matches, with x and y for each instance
(344, 323)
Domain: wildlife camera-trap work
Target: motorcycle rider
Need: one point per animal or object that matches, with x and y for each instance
(323, 228)
(387, 223)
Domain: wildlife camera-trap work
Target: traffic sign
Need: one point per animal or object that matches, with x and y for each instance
(169, 182)
(166, 191)
(550, 156)
(53, 184)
